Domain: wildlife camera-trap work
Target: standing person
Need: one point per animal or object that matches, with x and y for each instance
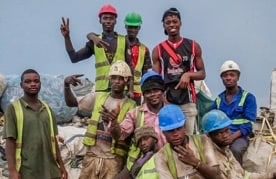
(140, 56)
(239, 105)
(152, 86)
(180, 61)
(105, 156)
(30, 131)
(104, 57)
(183, 156)
(139, 53)
(216, 125)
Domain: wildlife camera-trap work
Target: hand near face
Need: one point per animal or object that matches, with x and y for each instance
(186, 155)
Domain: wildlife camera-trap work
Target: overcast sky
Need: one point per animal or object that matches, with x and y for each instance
(242, 30)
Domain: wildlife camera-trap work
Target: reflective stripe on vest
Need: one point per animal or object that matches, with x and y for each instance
(134, 151)
(148, 170)
(118, 147)
(241, 103)
(138, 69)
(102, 64)
(19, 125)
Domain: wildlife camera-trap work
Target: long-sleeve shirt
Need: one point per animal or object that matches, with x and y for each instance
(150, 119)
(233, 111)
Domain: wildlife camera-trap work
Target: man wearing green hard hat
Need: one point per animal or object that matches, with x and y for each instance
(140, 56)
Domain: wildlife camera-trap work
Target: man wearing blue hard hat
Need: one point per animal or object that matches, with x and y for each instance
(152, 86)
(216, 125)
(183, 156)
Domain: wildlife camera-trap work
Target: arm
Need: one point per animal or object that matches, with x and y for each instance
(147, 62)
(198, 74)
(10, 155)
(64, 174)
(156, 65)
(10, 133)
(83, 53)
(69, 97)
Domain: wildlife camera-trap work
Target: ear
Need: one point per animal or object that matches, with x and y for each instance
(21, 85)
(100, 20)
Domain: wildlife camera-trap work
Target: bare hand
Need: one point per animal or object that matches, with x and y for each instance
(110, 116)
(184, 81)
(97, 40)
(186, 155)
(130, 94)
(73, 80)
(64, 27)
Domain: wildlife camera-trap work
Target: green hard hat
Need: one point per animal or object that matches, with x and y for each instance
(133, 19)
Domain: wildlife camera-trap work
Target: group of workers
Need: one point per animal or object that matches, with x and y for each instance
(143, 111)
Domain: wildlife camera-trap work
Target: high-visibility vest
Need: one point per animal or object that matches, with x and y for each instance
(19, 125)
(134, 151)
(149, 169)
(118, 147)
(138, 69)
(237, 121)
(102, 64)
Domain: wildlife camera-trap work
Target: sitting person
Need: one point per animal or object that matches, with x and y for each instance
(216, 124)
(146, 140)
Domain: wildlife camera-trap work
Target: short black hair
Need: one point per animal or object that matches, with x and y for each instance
(170, 12)
(28, 71)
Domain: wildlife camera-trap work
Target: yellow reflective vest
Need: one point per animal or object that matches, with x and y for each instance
(134, 151)
(19, 125)
(241, 103)
(118, 147)
(102, 64)
(138, 68)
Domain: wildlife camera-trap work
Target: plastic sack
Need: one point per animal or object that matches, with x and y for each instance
(51, 92)
(261, 153)
(203, 105)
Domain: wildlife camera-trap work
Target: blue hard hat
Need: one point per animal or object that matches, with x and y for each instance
(148, 75)
(215, 120)
(171, 117)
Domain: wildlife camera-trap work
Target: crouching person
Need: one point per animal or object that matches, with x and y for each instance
(183, 156)
(216, 124)
(105, 156)
(146, 140)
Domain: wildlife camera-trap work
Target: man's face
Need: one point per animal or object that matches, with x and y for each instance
(172, 25)
(146, 143)
(230, 78)
(108, 22)
(153, 96)
(176, 136)
(220, 136)
(31, 84)
(117, 83)
(132, 31)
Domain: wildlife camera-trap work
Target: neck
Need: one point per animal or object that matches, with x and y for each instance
(232, 91)
(155, 108)
(132, 40)
(30, 99)
(109, 33)
(175, 38)
(117, 95)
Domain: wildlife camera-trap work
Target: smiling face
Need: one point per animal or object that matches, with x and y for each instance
(31, 84)
(108, 22)
(230, 78)
(172, 25)
(153, 97)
